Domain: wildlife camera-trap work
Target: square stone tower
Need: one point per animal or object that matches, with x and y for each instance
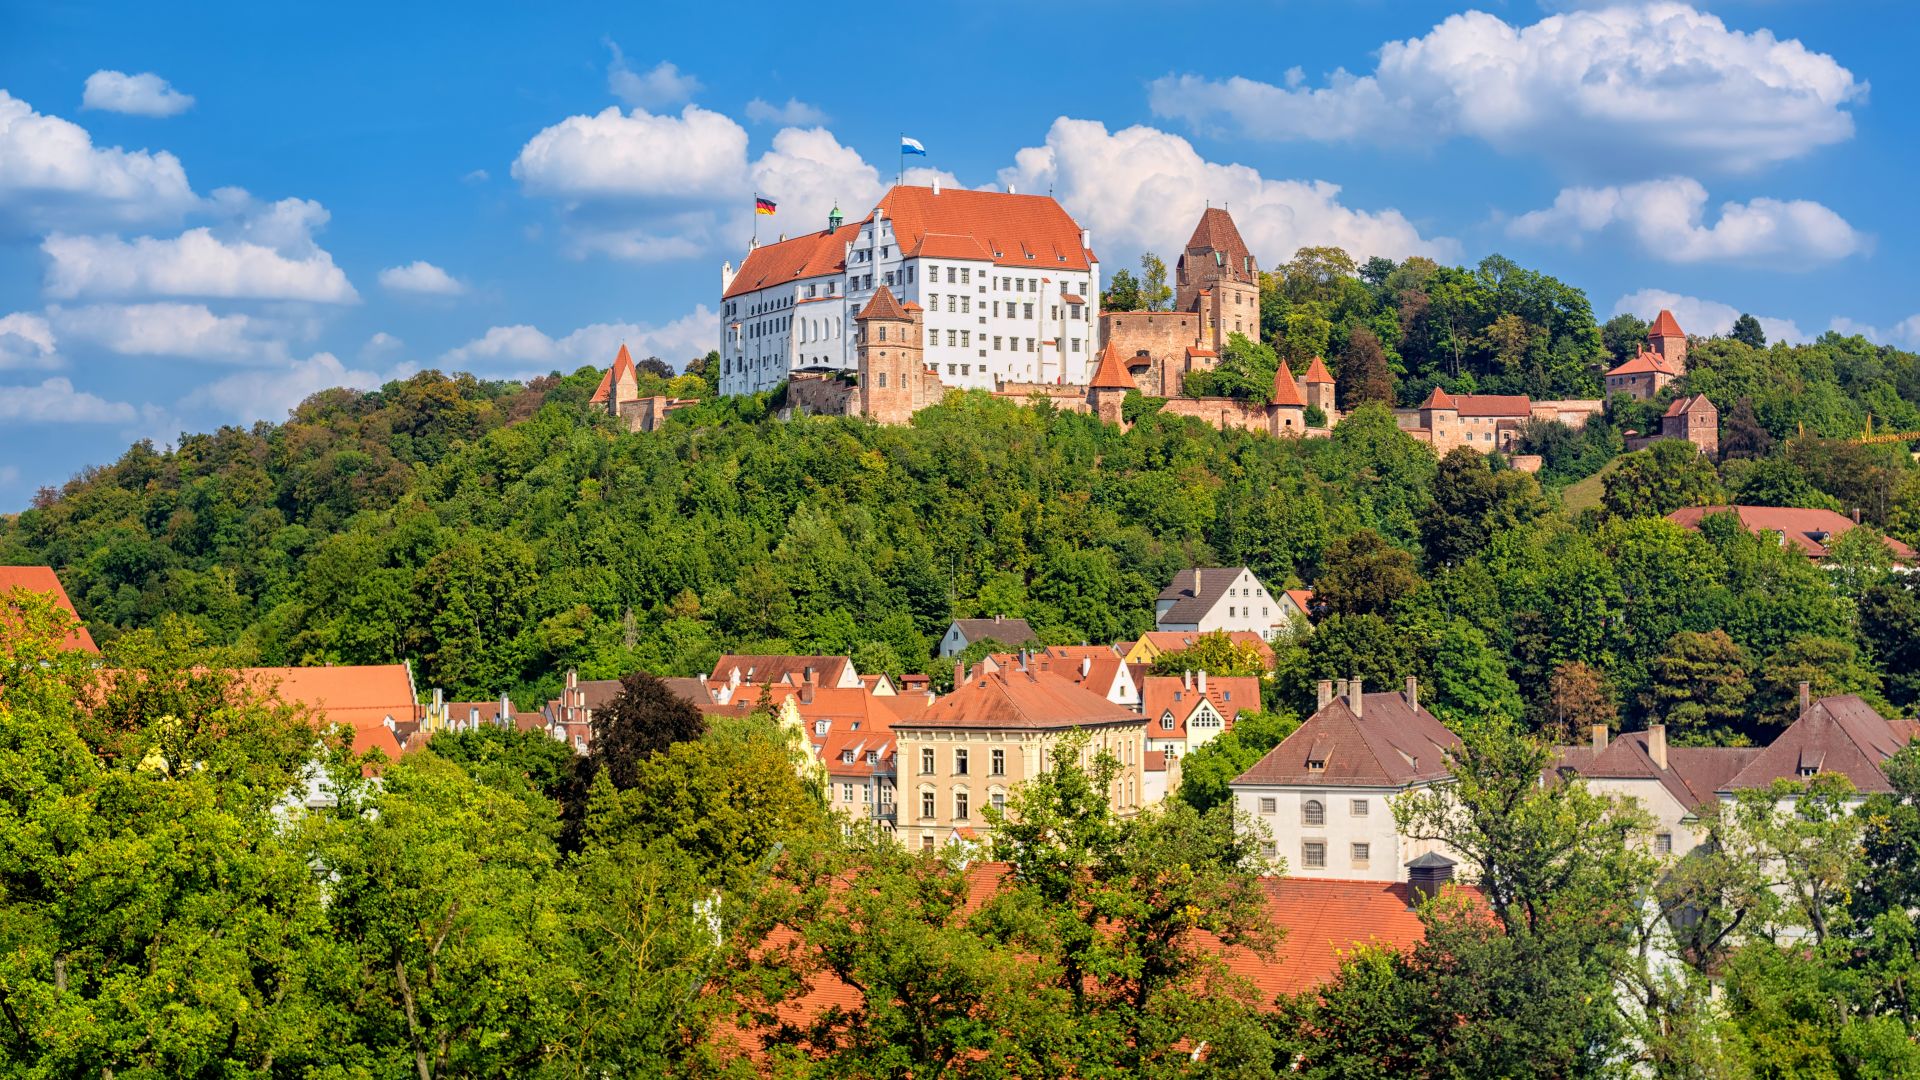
(1218, 277)
(1669, 341)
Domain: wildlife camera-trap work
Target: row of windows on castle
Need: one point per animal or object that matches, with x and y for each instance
(956, 275)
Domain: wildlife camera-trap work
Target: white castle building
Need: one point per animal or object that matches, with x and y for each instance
(1009, 285)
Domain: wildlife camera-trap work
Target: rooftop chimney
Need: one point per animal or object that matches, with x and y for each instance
(1200, 684)
(1806, 696)
(1427, 874)
(959, 674)
(1657, 745)
(936, 185)
(1413, 693)
(1196, 581)
(1856, 515)
(807, 674)
(1186, 680)
(1356, 698)
(1326, 694)
(1086, 666)
(1599, 737)
(573, 678)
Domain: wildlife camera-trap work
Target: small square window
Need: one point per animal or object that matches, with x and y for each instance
(1359, 808)
(1360, 853)
(1268, 806)
(1313, 854)
(1663, 843)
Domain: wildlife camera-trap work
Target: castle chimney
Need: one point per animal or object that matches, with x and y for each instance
(1086, 238)
(1201, 683)
(1086, 666)
(1356, 697)
(1326, 694)
(1806, 696)
(1599, 737)
(1657, 745)
(1413, 693)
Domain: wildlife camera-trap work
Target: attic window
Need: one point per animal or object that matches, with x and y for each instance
(820, 727)
(1807, 771)
(846, 756)
(1316, 765)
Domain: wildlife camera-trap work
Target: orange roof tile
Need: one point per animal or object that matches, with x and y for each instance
(1516, 405)
(812, 255)
(883, 306)
(1020, 700)
(1112, 374)
(42, 579)
(1810, 529)
(1644, 361)
(1286, 392)
(1317, 372)
(1216, 234)
(1015, 230)
(363, 697)
(623, 360)
(949, 246)
(1665, 325)
(1165, 695)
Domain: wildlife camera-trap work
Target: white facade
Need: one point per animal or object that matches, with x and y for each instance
(1244, 605)
(987, 321)
(1334, 832)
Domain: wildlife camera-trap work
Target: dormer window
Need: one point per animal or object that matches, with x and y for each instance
(846, 756)
(820, 726)
(1809, 771)
(1316, 765)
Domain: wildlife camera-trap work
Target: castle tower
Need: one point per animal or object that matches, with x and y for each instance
(1287, 409)
(1320, 389)
(1108, 390)
(1217, 277)
(1669, 341)
(619, 385)
(888, 348)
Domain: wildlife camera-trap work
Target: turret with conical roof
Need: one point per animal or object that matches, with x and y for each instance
(1320, 388)
(1669, 341)
(1107, 393)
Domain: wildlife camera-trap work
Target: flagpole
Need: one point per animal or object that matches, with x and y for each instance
(756, 219)
(901, 176)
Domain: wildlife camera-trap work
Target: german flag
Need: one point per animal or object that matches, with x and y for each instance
(763, 206)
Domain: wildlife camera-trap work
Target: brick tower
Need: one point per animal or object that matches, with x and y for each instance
(888, 337)
(1320, 389)
(1669, 341)
(1217, 277)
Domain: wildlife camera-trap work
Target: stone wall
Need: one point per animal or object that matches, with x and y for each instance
(815, 394)
(1227, 414)
(1164, 336)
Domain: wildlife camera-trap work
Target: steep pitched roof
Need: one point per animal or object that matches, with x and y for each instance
(1317, 372)
(1665, 325)
(1682, 405)
(363, 697)
(621, 362)
(999, 628)
(1810, 529)
(42, 579)
(1439, 399)
(1192, 601)
(1643, 362)
(812, 255)
(1286, 392)
(1031, 231)
(949, 246)
(1216, 233)
(1692, 776)
(1112, 372)
(760, 669)
(1024, 700)
(882, 306)
(1389, 745)
(1838, 734)
(1229, 695)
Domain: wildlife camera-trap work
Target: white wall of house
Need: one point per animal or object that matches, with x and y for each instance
(1353, 835)
(1247, 605)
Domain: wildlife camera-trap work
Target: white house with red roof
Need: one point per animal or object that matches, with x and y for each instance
(1008, 283)
(1186, 711)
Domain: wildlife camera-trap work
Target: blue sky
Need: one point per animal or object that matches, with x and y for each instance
(207, 214)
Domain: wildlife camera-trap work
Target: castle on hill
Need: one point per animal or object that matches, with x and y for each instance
(937, 290)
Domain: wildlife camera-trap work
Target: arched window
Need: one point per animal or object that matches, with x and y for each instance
(1166, 721)
(1313, 812)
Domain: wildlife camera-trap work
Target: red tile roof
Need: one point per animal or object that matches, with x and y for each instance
(1112, 374)
(1163, 694)
(1838, 734)
(812, 255)
(1389, 745)
(1217, 234)
(1285, 390)
(363, 697)
(1480, 404)
(883, 306)
(1167, 641)
(1681, 405)
(1692, 776)
(1302, 597)
(1324, 920)
(1026, 700)
(762, 668)
(1317, 372)
(1809, 529)
(42, 579)
(1030, 231)
(1665, 325)
(950, 246)
(612, 377)
(1642, 362)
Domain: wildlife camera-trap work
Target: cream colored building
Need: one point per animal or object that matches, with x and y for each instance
(997, 729)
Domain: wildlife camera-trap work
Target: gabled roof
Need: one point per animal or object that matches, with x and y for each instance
(1682, 405)
(1029, 700)
(1810, 529)
(760, 669)
(1192, 602)
(621, 362)
(813, 255)
(1838, 734)
(42, 579)
(1217, 234)
(1643, 362)
(363, 697)
(1112, 372)
(1286, 392)
(1665, 325)
(949, 246)
(1515, 405)
(1031, 231)
(999, 628)
(1317, 372)
(1389, 745)
(1302, 598)
(1692, 776)
(1166, 641)
(1229, 695)
(883, 306)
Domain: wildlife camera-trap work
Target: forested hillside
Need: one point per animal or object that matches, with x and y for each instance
(496, 534)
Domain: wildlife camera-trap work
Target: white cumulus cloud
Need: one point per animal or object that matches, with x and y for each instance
(27, 341)
(1143, 188)
(421, 277)
(808, 172)
(1624, 89)
(191, 331)
(525, 349)
(795, 113)
(616, 155)
(1668, 218)
(660, 86)
(268, 254)
(1699, 316)
(52, 176)
(55, 401)
(145, 94)
(271, 393)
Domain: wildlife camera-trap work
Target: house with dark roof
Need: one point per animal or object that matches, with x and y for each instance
(998, 728)
(1326, 793)
(961, 633)
(1207, 599)
(1837, 734)
(1812, 530)
(1671, 783)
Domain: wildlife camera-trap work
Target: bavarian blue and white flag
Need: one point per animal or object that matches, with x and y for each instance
(912, 146)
